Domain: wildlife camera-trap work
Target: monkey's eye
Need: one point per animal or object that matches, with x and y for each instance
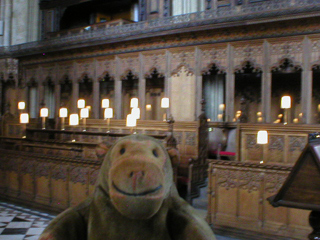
(155, 153)
(122, 151)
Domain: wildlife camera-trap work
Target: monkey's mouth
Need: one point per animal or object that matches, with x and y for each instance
(137, 194)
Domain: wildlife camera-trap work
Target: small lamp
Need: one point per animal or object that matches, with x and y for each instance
(134, 102)
(131, 121)
(84, 114)
(262, 138)
(63, 113)
(81, 103)
(165, 104)
(286, 105)
(136, 112)
(148, 107)
(21, 105)
(105, 103)
(108, 113)
(24, 119)
(44, 112)
(74, 119)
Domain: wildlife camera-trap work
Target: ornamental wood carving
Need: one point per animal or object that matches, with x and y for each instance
(183, 58)
(154, 61)
(217, 56)
(288, 49)
(79, 175)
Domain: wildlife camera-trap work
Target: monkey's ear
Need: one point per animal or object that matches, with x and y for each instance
(102, 149)
(174, 156)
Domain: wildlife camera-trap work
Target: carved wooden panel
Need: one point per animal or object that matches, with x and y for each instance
(286, 49)
(130, 63)
(104, 66)
(275, 149)
(183, 58)
(215, 55)
(85, 68)
(249, 52)
(237, 198)
(157, 61)
(296, 146)
(65, 69)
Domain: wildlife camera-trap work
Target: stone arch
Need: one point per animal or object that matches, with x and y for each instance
(248, 66)
(286, 65)
(189, 71)
(154, 72)
(105, 76)
(213, 68)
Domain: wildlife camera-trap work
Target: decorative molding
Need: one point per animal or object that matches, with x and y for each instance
(297, 143)
(227, 178)
(276, 143)
(79, 175)
(42, 170)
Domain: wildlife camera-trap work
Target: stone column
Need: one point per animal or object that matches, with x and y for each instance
(230, 79)
(57, 94)
(167, 84)
(306, 83)
(266, 84)
(198, 56)
(7, 22)
(118, 91)
(142, 88)
(75, 96)
(96, 99)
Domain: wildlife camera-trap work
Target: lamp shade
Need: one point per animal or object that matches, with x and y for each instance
(286, 102)
(84, 113)
(63, 112)
(44, 112)
(131, 121)
(108, 113)
(74, 119)
(81, 103)
(134, 102)
(222, 107)
(105, 103)
(165, 103)
(136, 112)
(262, 137)
(24, 118)
(21, 105)
(148, 107)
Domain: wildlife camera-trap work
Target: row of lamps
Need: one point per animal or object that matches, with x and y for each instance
(74, 119)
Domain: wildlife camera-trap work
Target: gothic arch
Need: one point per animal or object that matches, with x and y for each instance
(154, 72)
(129, 74)
(286, 65)
(248, 66)
(188, 70)
(212, 69)
(105, 76)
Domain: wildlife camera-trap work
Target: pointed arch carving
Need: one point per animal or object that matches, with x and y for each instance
(213, 69)
(84, 78)
(48, 82)
(189, 71)
(129, 74)
(154, 73)
(286, 65)
(32, 82)
(248, 66)
(106, 77)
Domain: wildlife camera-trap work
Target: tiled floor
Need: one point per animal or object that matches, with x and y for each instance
(18, 223)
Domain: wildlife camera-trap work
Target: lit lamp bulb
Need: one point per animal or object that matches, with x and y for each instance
(44, 112)
(105, 103)
(136, 112)
(84, 114)
(286, 102)
(148, 107)
(165, 103)
(74, 119)
(21, 105)
(24, 118)
(131, 122)
(108, 113)
(63, 113)
(262, 138)
(81, 103)
(134, 102)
